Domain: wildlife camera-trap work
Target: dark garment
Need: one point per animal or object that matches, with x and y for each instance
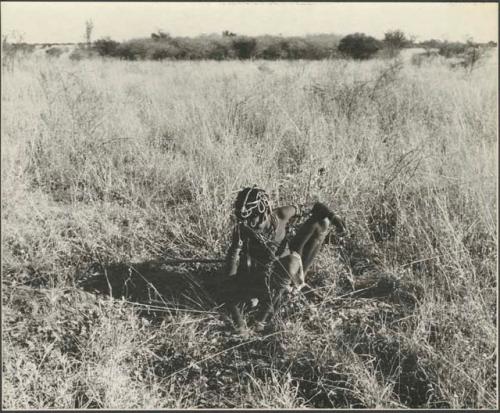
(252, 252)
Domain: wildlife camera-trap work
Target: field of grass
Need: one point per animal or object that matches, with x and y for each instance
(110, 166)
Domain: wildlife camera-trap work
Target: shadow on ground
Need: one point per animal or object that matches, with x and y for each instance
(155, 285)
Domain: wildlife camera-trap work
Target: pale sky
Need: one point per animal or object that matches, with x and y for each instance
(52, 22)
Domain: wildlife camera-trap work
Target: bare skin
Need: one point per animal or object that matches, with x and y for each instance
(283, 273)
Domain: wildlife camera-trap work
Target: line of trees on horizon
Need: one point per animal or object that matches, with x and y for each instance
(161, 45)
(228, 45)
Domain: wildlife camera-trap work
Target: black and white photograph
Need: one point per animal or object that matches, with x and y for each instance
(249, 205)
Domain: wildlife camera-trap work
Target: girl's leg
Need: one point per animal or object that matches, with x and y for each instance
(309, 238)
(238, 292)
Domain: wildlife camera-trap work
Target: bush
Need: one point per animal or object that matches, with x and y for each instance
(244, 47)
(430, 44)
(394, 41)
(297, 48)
(17, 48)
(359, 46)
(54, 52)
(220, 50)
(162, 51)
(312, 47)
(425, 57)
(270, 48)
(191, 49)
(160, 46)
(322, 45)
(106, 47)
(135, 49)
(452, 49)
(82, 53)
(160, 35)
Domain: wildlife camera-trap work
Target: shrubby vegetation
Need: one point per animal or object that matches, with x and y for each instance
(231, 46)
(465, 55)
(359, 46)
(81, 53)
(214, 47)
(54, 51)
(22, 47)
(394, 41)
(106, 47)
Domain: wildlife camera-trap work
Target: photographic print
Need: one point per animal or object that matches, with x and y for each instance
(249, 205)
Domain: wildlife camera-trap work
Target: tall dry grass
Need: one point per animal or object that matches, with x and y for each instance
(119, 162)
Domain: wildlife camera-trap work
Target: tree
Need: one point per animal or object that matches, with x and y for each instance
(271, 48)
(473, 54)
(106, 47)
(227, 33)
(452, 49)
(359, 46)
(244, 46)
(160, 35)
(431, 44)
(135, 49)
(89, 27)
(394, 41)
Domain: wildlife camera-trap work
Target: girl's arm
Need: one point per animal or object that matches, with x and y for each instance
(233, 253)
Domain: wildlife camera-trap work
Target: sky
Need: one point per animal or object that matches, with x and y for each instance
(52, 22)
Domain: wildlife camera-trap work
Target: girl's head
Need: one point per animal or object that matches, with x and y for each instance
(252, 207)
